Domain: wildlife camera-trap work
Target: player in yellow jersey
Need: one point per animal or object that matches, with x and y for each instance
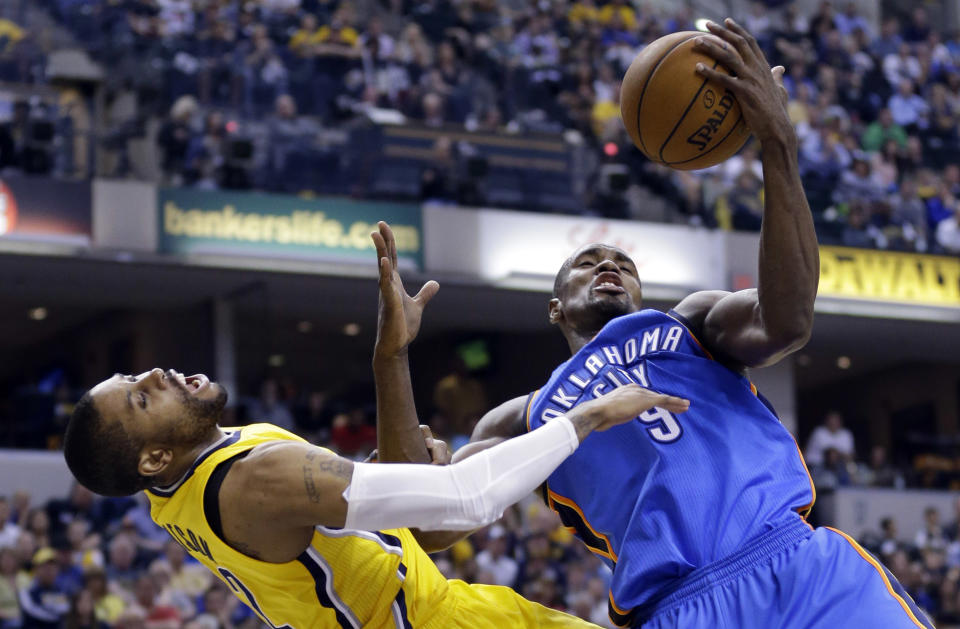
(302, 536)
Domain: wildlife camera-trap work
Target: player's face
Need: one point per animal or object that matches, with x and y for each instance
(162, 406)
(601, 284)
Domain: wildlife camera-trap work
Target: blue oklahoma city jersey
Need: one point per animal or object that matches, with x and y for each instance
(665, 494)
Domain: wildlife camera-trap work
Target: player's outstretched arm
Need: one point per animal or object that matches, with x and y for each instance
(758, 327)
(296, 486)
(399, 435)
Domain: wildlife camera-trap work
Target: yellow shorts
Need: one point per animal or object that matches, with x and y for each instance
(497, 607)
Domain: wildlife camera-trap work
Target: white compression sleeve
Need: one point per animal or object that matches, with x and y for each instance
(457, 497)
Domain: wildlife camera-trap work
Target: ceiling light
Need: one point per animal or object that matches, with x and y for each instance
(351, 329)
(276, 360)
(804, 360)
(37, 314)
(843, 362)
(304, 326)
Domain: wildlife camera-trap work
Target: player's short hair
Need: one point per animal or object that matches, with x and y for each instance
(561, 276)
(102, 455)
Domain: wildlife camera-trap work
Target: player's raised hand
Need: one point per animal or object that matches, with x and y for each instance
(622, 405)
(438, 448)
(399, 314)
(758, 88)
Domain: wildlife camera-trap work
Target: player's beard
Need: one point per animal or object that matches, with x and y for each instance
(604, 309)
(199, 416)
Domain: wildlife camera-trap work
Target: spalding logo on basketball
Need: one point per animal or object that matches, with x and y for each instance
(8, 210)
(674, 115)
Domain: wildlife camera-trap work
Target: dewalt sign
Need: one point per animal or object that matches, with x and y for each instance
(889, 276)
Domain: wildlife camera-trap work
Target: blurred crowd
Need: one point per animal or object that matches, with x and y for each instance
(928, 565)
(876, 109)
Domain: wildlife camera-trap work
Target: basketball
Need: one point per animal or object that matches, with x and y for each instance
(675, 116)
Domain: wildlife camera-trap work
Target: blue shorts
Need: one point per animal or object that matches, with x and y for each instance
(791, 577)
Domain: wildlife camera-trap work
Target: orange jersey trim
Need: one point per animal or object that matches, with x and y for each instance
(554, 497)
(693, 336)
(526, 413)
(804, 511)
(620, 612)
(883, 575)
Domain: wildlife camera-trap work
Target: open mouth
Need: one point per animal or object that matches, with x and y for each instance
(609, 283)
(193, 384)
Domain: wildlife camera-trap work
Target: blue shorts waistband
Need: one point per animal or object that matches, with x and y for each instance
(757, 550)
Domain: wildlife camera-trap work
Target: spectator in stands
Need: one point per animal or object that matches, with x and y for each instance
(167, 594)
(264, 73)
(81, 503)
(831, 434)
(174, 138)
(207, 153)
(850, 20)
(186, 574)
(879, 472)
(38, 523)
(352, 435)
(8, 529)
(304, 40)
(883, 130)
(948, 230)
(82, 614)
(918, 29)
(494, 558)
(107, 605)
(901, 66)
(908, 109)
(224, 609)
(42, 604)
(145, 600)
(289, 145)
(859, 183)
(746, 203)
(9, 605)
(889, 544)
(930, 535)
(25, 549)
(270, 408)
(121, 554)
(889, 41)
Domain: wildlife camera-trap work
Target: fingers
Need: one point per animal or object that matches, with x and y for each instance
(723, 53)
(673, 404)
(427, 292)
(379, 243)
(739, 37)
(722, 78)
(777, 73)
(729, 35)
(388, 238)
(386, 273)
(439, 451)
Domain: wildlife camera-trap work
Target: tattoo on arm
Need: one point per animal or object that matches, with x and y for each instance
(325, 465)
(245, 549)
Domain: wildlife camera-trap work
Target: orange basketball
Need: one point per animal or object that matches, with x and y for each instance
(674, 115)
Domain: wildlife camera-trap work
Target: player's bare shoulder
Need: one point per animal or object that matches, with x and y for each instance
(695, 307)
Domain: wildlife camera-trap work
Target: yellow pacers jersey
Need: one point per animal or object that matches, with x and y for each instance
(345, 578)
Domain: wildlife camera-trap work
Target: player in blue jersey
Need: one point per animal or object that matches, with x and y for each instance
(701, 516)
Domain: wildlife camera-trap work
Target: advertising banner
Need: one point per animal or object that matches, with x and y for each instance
(269, 225)
(497, 244)
(907, 278)
(45, 209)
